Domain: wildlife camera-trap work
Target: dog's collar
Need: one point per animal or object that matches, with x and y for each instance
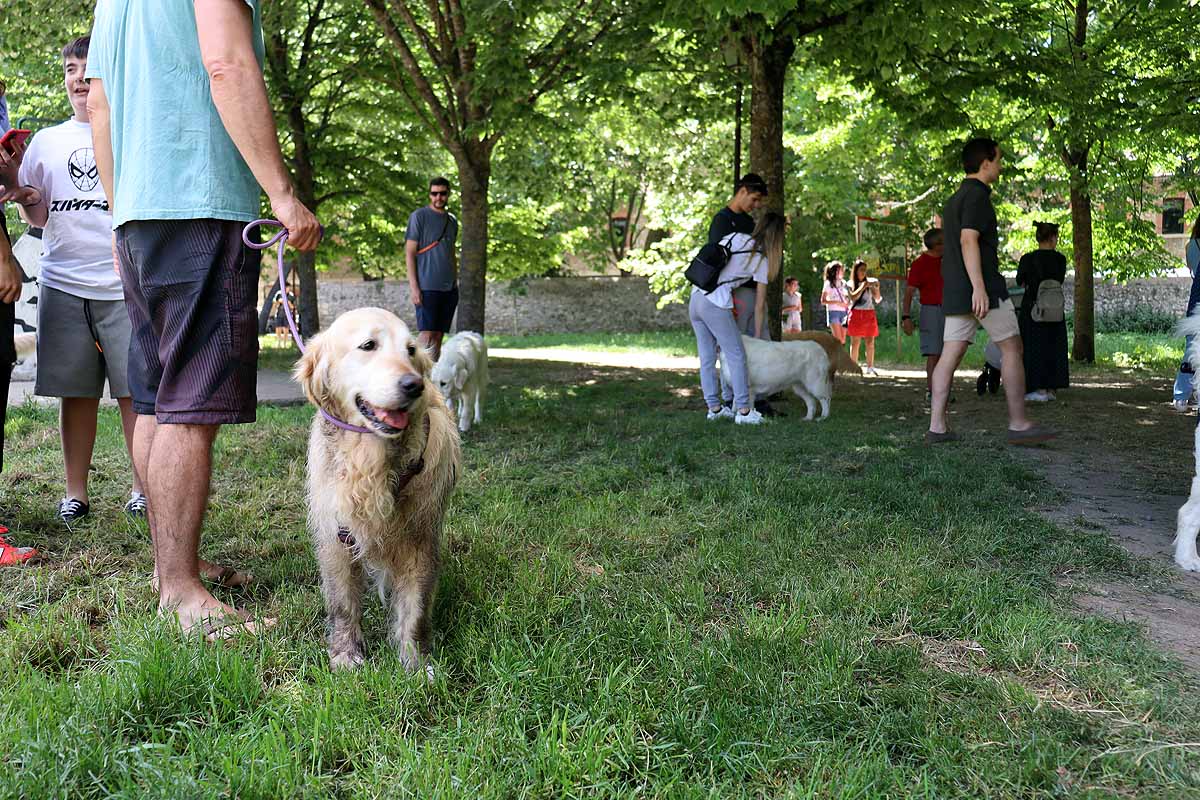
(414, 469)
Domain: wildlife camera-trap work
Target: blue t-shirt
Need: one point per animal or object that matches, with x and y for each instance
(173, 158)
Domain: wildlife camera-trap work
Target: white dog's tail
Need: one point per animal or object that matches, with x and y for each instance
(1190, 326)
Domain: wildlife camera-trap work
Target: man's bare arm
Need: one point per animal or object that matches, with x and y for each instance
(224, 29)
(98, 115)
(410, 260)
(973, 261)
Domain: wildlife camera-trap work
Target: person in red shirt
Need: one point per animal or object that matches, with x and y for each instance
(925, 276)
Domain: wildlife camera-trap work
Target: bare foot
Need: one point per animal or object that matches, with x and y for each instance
(226, 577)
(200, 612)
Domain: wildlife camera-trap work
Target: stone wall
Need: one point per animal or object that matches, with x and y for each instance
(611, 304)
(541, 305)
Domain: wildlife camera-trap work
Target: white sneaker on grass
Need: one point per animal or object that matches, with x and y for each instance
(725, 413)
(1037, 397)
(752, 417)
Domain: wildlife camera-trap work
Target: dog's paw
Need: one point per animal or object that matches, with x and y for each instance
(345, 660)
(430, 673)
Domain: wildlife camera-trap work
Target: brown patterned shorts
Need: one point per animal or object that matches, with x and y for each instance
(191, 288)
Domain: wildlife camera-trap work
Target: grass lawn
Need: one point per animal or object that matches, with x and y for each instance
(634, 602)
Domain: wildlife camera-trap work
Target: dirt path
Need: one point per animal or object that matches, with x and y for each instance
(1123, 464)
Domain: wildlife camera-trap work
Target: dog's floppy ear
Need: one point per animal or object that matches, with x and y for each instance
(312, 371)
(460, 378)
(422, 360)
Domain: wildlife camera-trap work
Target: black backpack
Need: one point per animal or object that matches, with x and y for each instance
(705, 270)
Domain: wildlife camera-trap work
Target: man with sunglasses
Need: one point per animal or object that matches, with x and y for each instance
(432, 267)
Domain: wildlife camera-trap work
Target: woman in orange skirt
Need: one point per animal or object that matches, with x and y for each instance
(864, 294)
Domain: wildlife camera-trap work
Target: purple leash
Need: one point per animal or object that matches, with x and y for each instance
(280, 238)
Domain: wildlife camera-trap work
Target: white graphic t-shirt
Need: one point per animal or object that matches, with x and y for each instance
(77, 242)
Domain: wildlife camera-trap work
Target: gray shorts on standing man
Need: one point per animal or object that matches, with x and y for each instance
(67, 365)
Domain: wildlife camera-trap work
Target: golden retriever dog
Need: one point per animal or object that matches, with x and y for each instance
(376, 500)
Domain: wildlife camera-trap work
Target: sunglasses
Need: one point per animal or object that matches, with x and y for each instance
(439, 194)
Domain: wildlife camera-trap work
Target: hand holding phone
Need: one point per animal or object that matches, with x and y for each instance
(14, 140)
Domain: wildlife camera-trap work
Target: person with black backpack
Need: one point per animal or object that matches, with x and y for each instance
(714, 273)
(1043, 318)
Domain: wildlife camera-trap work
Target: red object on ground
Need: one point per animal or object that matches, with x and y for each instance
(10, 555)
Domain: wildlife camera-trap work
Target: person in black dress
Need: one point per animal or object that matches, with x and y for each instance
(1046, 368)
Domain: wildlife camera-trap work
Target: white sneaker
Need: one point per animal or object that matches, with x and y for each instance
(1181, 406)
(725, 413)
(1037, 397)
(871, 371)
(750, 418)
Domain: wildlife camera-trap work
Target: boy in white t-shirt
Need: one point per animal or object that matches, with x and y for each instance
(83, 328)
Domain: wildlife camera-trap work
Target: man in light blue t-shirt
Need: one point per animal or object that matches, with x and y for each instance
(184, 137)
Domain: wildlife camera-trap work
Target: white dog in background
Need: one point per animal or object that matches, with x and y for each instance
(28, 252)
(801, 366)
(461, 374)
(1188, 523)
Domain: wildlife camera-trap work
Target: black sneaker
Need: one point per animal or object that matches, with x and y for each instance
(136, 507)
(71, 510)
(981, 383)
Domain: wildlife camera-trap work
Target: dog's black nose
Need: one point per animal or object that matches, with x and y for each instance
(412, 385)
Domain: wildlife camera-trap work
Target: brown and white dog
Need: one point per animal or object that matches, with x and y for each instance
(376, 500)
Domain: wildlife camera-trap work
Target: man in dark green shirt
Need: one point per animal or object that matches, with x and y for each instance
(974, 294)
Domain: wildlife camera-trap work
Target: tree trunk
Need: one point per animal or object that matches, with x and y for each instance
(1084, 346)
(768, 70)
(474, 175)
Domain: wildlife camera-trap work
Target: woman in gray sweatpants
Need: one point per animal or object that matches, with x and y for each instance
(715, 328)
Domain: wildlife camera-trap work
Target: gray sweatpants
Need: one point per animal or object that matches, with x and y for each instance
(716, 330)
(743, 302)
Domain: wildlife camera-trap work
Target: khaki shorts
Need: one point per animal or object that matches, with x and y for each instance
(1000, 324)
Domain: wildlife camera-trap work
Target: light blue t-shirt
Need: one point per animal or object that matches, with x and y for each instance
(173, 158)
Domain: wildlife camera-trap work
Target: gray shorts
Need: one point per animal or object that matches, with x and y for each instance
(79, 344)
(933, 330)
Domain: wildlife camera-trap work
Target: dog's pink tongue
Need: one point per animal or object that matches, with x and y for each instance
(397, 419)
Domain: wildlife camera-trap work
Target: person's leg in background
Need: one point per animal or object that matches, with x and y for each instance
(10, 555)
(943, 376)
(839, 332)
(871, 353)
(1184, 392)
(854, 342)
(77, 430)
(706, 347)
(1012, 366)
